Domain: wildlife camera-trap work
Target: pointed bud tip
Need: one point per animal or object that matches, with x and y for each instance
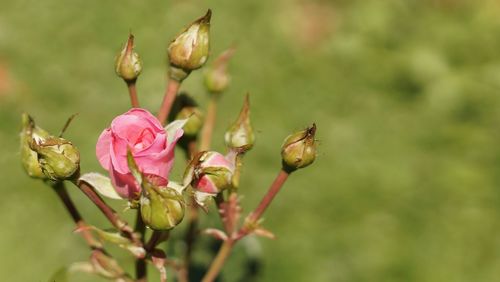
(207, 17)
(240, 136)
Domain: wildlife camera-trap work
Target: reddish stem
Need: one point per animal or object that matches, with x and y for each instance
(110, 214)
(208, 126)
(168, 99)
(268, 198)
(132, 91)
(227, 246)
(61, 191)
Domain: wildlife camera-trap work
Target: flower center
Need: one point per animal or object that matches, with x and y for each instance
(144, 140)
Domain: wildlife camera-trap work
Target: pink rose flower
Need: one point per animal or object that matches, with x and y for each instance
(140, 131)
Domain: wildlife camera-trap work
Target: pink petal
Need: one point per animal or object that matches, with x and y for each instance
(103, 147)
(205, 185)
(146, 115)
(125, 184)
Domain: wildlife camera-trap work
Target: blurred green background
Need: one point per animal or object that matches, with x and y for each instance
(405, 95)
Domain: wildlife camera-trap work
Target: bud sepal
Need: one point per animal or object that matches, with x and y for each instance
(299, 149)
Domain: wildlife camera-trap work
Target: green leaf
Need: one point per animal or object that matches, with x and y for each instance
(102, 184)
(172, 128)
(133, 167)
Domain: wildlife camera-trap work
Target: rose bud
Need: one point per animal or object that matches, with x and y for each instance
(210, 172)
(128, 64)
(29, 157)
(151, 146)
(239, 136)
(186, 108)
(194, 122)
(58, 158)
(299, 149)
(162, 208)
(189, 50)
(216, 77)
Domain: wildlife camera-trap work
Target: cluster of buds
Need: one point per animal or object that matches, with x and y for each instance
(160, 202)
(45, 156)
(189, 50)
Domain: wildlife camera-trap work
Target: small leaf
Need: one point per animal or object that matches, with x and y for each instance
(137, 251)
(118, 239)
(62, 274)
(216, 233)
(173, 127)
(259, 231)
(176, 186)
(202, 198)
(101, 184)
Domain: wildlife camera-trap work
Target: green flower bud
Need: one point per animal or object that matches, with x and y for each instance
(216, 77)
(162, 208)
(58, 158)
(299, 149)
(128, 65)
(194, 122)
(189, 50)
(239, 136)
(29, 158)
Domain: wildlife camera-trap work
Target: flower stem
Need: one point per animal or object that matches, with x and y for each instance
(219, 261)
(132, 91)
(140, 263)
(268, 198)
(61, 191)
(208, 126)
(168, 99)
(254, 216)
(191, 234)
(156, 238)
(110, 214)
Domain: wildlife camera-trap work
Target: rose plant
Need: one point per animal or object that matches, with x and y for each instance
(137, 151)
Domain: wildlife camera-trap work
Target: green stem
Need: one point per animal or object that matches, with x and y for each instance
(219, 261)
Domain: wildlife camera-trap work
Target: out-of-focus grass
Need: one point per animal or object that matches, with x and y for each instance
(405, 95)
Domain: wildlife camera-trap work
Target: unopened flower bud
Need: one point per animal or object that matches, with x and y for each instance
(59, 159)
(216, 77)
(29, 157)
(299, 149)
(239, 136)
(194, 122)
(162, 208)
(211, 172)
(128, 64)
(189, 50)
